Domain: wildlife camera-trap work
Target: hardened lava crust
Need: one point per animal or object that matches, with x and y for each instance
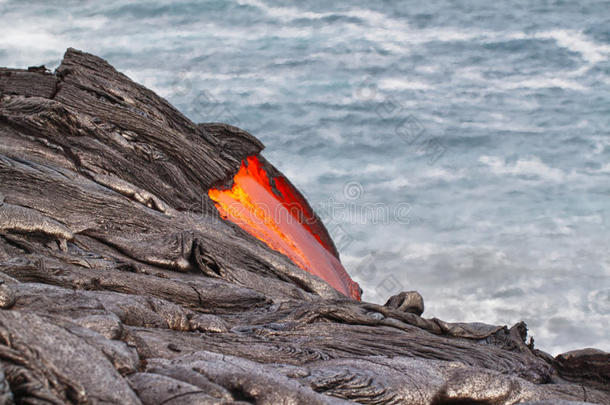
(120, 282)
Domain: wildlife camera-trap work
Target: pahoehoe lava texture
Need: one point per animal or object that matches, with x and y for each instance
(120, 283)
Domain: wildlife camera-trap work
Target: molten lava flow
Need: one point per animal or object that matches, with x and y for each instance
(283, 220)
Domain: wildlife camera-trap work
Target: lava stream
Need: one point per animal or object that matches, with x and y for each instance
(282, 219)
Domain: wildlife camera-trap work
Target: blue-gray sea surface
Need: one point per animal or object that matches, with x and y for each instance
(461, 149)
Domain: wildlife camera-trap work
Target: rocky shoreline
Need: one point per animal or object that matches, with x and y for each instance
(120, 283)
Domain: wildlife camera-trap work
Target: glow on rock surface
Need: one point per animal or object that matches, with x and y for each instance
(281, 219)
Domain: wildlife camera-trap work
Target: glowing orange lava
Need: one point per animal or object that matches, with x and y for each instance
(283, 220)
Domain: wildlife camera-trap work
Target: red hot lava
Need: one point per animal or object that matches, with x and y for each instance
(280, 217)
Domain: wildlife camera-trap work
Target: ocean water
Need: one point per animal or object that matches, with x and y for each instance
(460, 149)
